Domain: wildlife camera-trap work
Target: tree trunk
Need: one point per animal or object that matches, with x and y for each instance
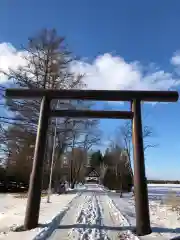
(121, 187)
(121, 194)
(72, 185)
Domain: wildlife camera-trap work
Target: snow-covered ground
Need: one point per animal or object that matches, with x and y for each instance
(165, 222)
(13, 212)
(92, 216)
(91, 212)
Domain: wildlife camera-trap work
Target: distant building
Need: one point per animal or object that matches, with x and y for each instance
(92, 175)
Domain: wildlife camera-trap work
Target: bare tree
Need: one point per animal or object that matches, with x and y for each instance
(47, 66)
(102, 169)
(125, 133)
(90, 135)
(78, 160)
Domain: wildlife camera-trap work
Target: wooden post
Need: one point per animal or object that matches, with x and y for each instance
(34, 195)
(140, 183)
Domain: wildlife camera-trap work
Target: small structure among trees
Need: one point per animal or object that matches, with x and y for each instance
(93, 176)
(113, 169)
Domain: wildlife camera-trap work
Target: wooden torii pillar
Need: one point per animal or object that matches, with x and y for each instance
(135, 97)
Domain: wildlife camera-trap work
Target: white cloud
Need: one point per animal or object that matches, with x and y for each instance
(175, 60)
(105, 72)
(9, 58)
(113, 72)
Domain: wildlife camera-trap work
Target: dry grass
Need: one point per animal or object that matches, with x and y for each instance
(25, 195)
(173, 201)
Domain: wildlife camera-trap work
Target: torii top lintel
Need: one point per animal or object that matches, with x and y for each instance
(97, 95)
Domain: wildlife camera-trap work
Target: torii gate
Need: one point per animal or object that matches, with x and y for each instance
(134, 97)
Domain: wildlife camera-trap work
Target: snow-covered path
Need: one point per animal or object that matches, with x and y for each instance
(92, 215)
(90, 212)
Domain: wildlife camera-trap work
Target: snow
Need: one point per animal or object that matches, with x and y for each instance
(92, 216)
(92, 212)
(164, 222)
(13, 212)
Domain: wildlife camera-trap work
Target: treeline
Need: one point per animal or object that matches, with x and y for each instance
(47, 64)
(163, 181)
(114, 168)
(71, 167)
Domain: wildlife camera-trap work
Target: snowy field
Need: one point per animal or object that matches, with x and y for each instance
(165, 223)
(89, 213)
(13, 211)
(160, 191)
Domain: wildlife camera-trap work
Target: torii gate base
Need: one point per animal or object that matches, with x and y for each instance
(135, 97)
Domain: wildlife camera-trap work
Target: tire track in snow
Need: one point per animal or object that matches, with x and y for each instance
(64, 230)
(119, 219)
(92, 216)
(98, 217)
(91, 219)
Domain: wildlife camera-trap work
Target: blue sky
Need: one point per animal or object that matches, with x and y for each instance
(126, 40)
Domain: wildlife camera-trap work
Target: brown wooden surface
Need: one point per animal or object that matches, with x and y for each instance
(98, 95)
(92, 114)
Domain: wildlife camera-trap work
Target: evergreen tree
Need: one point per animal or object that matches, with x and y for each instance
(96, 159)
(118, 176)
